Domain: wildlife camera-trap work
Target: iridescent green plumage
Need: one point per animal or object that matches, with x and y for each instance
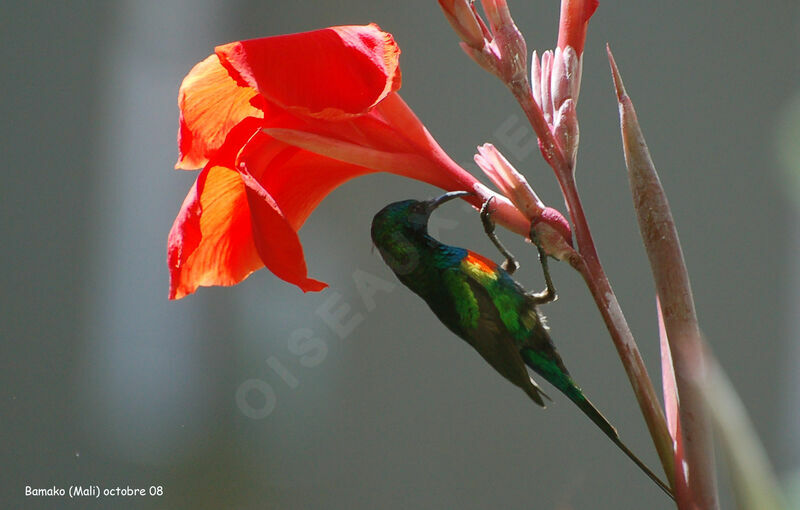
(465, 291)
(481, 303)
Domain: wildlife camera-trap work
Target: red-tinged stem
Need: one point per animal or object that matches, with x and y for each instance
(631, 358)
(588, 264)
(550, 149)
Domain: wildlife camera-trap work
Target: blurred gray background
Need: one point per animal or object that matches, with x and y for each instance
(104, 381)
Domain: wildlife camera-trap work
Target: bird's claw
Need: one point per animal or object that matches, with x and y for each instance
(510, 264)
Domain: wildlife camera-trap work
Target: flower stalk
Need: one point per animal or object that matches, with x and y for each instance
(550, 107)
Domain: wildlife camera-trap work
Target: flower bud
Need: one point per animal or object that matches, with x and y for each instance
(464, 21)
(510, 182)
(566, 130)
(508, 40)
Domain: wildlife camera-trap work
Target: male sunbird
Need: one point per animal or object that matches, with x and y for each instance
(480, 302)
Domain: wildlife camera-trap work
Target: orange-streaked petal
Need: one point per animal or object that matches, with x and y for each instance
(211, 240)
(211, 103)
(333, 73)
(229, 226)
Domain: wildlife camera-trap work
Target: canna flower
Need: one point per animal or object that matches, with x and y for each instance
(276, 124)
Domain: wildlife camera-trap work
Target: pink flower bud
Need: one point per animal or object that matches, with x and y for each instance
(565, 76)
(556, 83)
(546, 72)
(566, 130)
(508, 40)
(464, 21)
(510, 182)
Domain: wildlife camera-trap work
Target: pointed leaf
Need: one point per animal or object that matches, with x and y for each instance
(672, 285)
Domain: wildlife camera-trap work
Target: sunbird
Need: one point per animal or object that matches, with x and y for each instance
(479, 301)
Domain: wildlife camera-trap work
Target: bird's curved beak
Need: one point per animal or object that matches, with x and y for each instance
(432, 204)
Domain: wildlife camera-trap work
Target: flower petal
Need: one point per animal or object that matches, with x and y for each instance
(575, 16)
(211, 103)
(275, 239)
(220, 234)
(296, 179)
(211, 240)
(405, 122)
(332, 73)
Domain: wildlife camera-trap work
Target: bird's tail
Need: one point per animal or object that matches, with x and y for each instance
(558, 377)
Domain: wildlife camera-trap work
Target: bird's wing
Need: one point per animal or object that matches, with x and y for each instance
(493, 342)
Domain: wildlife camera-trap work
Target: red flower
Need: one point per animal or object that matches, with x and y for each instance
(575, 16)
(277, 123)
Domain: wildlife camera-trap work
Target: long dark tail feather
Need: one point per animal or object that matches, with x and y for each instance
(599, 420)
(559, 378)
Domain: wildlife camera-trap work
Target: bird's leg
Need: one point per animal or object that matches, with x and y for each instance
(549, 293)
(510, 264)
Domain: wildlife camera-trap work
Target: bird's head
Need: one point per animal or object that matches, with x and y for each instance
(409, 215)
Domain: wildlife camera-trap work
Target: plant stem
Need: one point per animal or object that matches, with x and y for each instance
(588, 264)
(631, 358)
